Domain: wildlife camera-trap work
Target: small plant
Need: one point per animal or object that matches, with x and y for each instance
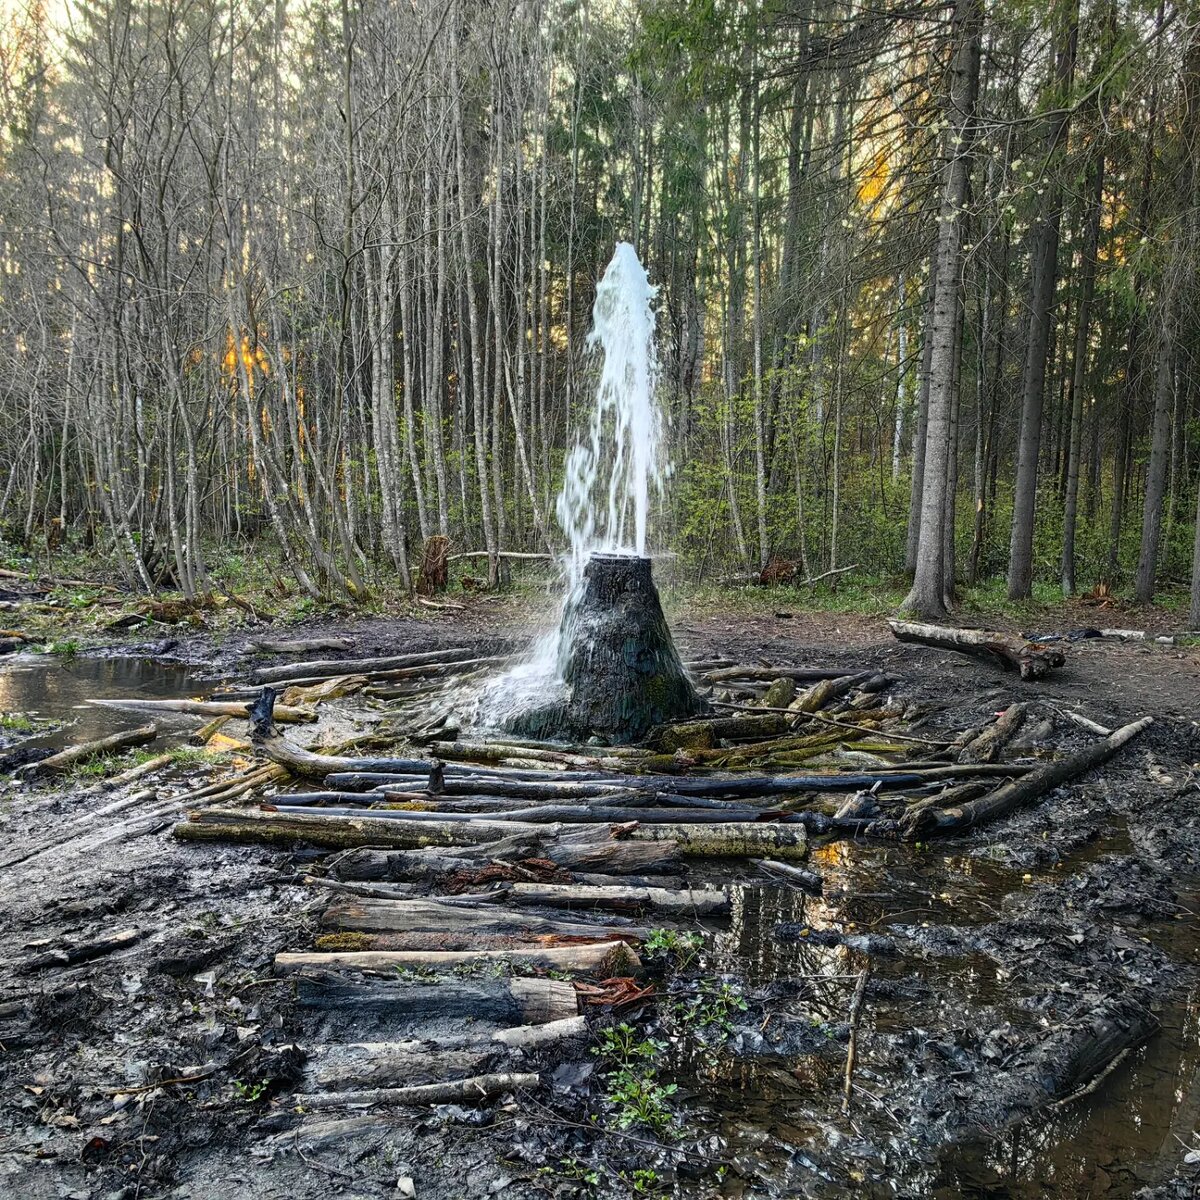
(251, 1091)
(644, 1181)
(576, 1171)
(16, 722)
(634, 1088)
(66, 649)
(677, 946)
(712, 1008)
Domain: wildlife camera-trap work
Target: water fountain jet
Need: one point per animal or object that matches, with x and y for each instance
(611, 671)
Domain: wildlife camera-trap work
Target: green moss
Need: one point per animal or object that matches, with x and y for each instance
(344, 943)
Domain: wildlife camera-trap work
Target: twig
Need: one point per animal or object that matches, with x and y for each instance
(856, 1005)
(1096, 1080)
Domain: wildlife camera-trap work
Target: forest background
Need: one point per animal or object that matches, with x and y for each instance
(313, 281)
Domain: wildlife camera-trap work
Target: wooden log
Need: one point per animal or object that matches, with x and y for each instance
(340, 666)
(205, 708)
(513, 1001)
(987, 746)
(921, 823)
(207, 730)
(739, 839)
(339, 832)
(381, 1064)
(682, 902)
(433, 916)
(67, 758)
(77, 952)
(705, 734)
(298, 645)
(605, 856)
(477, 1087)
(552, 814)
(604, 958)
(826, 690)
(134, 773)
(808, 881)
(1033, 661)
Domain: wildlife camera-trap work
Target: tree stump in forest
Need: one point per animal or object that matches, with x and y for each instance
(620, 673)
(434, 573)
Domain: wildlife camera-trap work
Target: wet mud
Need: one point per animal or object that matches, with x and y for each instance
(167, 1067)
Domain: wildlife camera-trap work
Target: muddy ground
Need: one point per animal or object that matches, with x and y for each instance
(983, 950)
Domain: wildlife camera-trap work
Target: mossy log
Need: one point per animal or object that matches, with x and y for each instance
(704, 735)
(67, 758)
(621, 675)
(740, 839)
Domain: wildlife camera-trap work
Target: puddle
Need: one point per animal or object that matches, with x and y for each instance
(53, 688)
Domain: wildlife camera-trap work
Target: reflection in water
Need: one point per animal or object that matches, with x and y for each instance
(51, 687)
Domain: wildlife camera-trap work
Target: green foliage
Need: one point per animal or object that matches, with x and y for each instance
(634, 1087)
(679, 947)
(251, 1091)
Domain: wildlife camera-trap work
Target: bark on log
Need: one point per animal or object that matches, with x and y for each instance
(987, 746)
(105, 745)
(134, 773)
(807, 881)
(1033, 661)
(551, 814)
(372, 915)
(733, 840)
(205, 708)
(77, 952)
(298, 645)
(602, 958)
(477, 1087)
(514, 1001)
(682, 902)
(921, 822)
(770, 674)
(340, 666)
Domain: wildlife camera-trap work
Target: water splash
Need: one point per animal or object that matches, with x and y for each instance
(611, 474)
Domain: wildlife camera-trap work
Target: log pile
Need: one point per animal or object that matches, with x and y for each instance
(511, 879)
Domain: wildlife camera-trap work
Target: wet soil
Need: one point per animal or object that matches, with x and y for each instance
(979, 947)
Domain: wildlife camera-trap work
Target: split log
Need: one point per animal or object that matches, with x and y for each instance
(1019, 792)
(205, 708)
(477, 1087)
(807, 881)
(434, 916)
(67, 758)
(340, 666)
(682, 902)
(987, 746)
(601, 958)
(514, 1001)
(298, 645)
(1033, 661)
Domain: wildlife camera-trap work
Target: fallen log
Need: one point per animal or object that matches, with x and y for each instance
(339, 832)
(513, 1001)
(920, 822)
(607, 857)
(807, 881)
(682, 902)
(77, 952)
(602, 958)
(770, 674)
(204, 708)
(340, 666)
(477, 1087)
(134, 773)
(738, 839)
(298, 645)
(374, 915)
(987, 746)
(1033, 661)
(382, 1064)
(67, 758)
(550, 814)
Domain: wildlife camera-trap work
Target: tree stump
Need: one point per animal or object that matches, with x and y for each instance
(619, 670)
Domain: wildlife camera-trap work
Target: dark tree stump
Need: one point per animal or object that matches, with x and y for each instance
(621, 675)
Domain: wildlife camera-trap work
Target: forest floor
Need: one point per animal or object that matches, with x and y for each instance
(983, 949)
